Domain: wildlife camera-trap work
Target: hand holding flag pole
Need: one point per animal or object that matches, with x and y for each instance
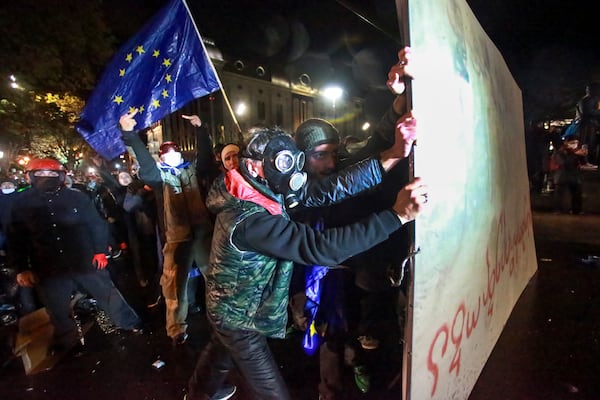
(156, 72)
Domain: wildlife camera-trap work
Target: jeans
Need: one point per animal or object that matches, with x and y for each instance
(55, 293)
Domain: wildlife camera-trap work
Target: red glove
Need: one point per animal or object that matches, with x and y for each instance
(100, 261)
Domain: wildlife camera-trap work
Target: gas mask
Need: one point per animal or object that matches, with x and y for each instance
(282, 166)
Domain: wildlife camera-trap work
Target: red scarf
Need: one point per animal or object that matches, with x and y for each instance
(238, 187)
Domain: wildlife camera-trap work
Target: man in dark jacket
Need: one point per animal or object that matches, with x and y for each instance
(56, 243)
(320, 303)
(250, 267)
(588, 113)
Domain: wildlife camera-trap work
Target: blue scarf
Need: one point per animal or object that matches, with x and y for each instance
(174, 170)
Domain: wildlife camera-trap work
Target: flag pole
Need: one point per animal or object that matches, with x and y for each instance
(235, 121)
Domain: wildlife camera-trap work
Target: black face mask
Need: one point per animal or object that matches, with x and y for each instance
(46, 183)
(282, 165)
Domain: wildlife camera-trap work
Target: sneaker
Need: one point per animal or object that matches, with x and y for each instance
(180, 339)
(368, 342)
(224, 393)
(362, 378)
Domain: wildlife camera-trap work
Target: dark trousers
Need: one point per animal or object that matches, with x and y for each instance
(246, 350)
(55, 293)
(569, 195)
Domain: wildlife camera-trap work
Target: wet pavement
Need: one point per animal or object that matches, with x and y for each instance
(549, 349)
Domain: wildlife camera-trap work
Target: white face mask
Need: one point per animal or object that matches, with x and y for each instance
(573, 145)
(8, 191)
(172, 158)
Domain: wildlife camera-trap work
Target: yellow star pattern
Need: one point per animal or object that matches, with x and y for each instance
(313, 329)
(168, 78)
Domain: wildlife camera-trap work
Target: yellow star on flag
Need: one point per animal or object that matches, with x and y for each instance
(165, 93)
(122, 72)
(166, 62)
(118, 100)
(140, 50)
(129, 57)
(312, 329)
(155, 103)
(168, 78)
(155, 53)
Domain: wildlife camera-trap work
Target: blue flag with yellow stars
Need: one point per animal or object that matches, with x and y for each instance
(157, 71)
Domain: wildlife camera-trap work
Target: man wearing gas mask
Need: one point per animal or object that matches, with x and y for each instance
(57, 243)
(187, 223)
(254, 247)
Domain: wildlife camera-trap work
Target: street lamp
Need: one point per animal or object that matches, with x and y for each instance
(333, 93)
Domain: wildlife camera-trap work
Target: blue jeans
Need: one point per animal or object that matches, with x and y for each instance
(55, 293)
(249, 352)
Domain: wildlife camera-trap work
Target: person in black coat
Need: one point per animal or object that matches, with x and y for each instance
(56, 242)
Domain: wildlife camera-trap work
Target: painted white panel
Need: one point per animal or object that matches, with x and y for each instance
(476, 238)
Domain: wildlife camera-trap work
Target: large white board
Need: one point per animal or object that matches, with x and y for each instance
(476, 238)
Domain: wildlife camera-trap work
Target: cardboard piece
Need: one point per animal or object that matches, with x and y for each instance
(33, 340)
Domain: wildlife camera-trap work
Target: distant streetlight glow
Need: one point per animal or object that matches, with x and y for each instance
(13, 82)
(333, 93)
(241, 109)
(366, 126)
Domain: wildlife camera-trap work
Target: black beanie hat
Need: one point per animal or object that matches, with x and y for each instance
(314, 132)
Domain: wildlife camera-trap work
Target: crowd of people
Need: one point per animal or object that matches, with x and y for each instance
(287, 234)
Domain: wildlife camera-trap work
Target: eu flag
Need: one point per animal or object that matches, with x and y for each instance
(157, 71)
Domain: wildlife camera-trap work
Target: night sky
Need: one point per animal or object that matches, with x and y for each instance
(550, 46)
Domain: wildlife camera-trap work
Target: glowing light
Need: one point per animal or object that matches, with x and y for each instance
(366, 126)
(241, 109)
(333, 93)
